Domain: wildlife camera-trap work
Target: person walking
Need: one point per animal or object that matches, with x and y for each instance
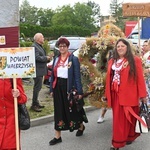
(7, 115)
(65, 82)
(124, 77)
(41, 70)
(146, 59)
(104, 109)
(102, 114)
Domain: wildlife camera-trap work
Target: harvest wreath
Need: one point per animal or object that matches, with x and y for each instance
(93, 76)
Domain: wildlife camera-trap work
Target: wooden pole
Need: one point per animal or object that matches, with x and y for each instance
(16, 116)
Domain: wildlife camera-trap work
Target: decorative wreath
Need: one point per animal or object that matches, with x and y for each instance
(93, 78)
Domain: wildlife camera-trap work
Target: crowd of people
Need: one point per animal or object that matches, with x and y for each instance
(125, 76)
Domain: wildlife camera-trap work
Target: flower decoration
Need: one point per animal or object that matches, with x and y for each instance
(98, 83)
(72, 124)
(61, 124)
(84, 49)
(95, 76)
(84, 70)
(69, 64)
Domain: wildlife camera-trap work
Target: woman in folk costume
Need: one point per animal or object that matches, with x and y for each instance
(125, 87)
(65, 76)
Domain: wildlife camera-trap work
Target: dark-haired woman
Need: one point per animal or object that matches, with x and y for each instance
(125, 87)
(65, 76)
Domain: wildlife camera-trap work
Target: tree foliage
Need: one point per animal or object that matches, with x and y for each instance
(96, 12)
(83, 16)
(28, 14)
(116, 12)
(63, 16)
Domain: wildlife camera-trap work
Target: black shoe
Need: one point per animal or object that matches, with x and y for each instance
(80, 132)
(128, 142)
(55, 141)
(41, 106)
(35, 108)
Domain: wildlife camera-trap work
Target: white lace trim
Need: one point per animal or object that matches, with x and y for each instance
(116, 77)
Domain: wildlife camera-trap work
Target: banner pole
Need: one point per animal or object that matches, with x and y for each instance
(16, 116)
(139, 34)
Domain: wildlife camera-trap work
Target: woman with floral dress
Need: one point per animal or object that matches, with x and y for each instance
(68, 115)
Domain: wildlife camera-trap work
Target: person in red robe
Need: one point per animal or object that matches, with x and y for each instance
(7, 112)
(125, 88)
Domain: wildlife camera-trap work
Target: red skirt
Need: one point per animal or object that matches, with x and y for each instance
(123, 123)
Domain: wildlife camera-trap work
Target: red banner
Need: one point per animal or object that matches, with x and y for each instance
(9, 37)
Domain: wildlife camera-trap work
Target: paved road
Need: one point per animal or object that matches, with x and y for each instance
(96, 137)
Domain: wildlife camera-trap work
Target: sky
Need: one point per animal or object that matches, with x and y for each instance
(53, 4)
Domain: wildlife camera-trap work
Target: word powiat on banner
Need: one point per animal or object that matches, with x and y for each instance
(17, 62)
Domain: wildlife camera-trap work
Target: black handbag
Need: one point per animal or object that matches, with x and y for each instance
(74, 100)
(145, 113)
(23, 117)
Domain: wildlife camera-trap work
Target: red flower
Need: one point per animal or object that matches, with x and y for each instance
(102, 67)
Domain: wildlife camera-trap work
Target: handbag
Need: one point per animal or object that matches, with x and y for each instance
(144, 115)
(74, 101)
(145, 112)
(139, 127)
(23, 117)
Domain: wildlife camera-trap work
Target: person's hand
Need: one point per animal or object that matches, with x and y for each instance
(15, 93)
(144, 100)
(51, 55)
(48, 58)
(79, 96)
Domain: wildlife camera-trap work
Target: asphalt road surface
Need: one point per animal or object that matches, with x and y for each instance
(96, 136)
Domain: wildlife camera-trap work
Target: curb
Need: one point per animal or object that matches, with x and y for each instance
(50, 118)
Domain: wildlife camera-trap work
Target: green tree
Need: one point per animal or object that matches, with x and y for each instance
(45, 17)
(28, 14)
(63, 16)
(83, 16)
(116, 12)
(96, 12)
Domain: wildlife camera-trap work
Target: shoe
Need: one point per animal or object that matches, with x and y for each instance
(128, 142)
(55, 141)
(35, 108)
(113, 148)
(100, 120)
(41, 106)
(80, 132)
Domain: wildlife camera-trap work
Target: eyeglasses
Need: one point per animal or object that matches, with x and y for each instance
(62, 46)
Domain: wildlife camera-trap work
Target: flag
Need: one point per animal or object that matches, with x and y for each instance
(145, 33)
